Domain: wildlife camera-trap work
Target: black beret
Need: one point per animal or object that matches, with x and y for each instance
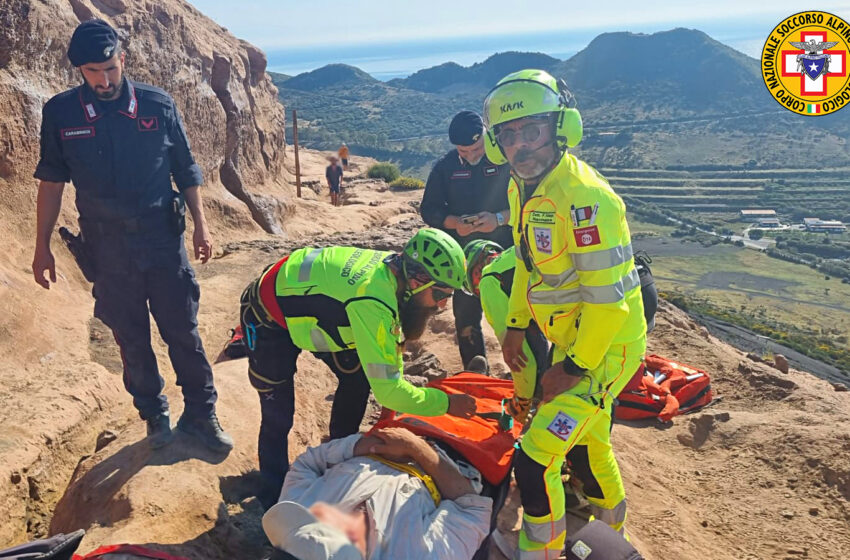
(466, 128)
(92, 41)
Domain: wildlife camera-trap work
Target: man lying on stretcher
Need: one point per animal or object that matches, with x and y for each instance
(392, 494)
(341, 502)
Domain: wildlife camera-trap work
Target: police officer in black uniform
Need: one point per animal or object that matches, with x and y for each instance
(121, 142)
(467, 197)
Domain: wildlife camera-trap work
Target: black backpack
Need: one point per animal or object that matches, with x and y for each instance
(647, 288)
(57, 547)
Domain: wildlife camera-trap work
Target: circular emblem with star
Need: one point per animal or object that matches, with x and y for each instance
(804, 63)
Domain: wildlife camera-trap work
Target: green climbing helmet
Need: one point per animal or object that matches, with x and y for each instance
(529, 93)
(476, 252)
(438, 255)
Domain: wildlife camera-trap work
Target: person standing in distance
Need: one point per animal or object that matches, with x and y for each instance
(121, 143)
(467, 197)
(333, 175)
(576, 279)
(343, 155)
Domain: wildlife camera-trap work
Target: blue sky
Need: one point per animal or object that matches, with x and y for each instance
(299, 35)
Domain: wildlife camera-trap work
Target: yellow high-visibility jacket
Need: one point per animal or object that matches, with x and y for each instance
(575, 274)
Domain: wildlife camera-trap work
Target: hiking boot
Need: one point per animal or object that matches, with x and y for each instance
(207, 430)
(478, 364)
(159, 430)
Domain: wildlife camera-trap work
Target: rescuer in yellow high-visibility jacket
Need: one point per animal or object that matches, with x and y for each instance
(575, 278)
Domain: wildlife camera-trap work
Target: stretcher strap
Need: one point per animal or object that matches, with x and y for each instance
(412, 471)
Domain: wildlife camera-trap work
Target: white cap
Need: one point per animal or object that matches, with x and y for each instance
(292, 528)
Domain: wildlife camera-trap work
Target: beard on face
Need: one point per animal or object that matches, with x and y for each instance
(414, 317)
(541, 162)
(105, 94)
(475, 162)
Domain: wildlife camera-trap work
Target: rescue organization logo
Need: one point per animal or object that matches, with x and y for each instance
(562, 425)
(543, 239)
(804, 63)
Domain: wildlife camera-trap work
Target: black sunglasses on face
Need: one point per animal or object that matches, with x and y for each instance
(530, 133)
(439, 293)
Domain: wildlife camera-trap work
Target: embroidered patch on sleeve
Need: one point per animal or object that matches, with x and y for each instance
(541, 217)
(78, 132)
(543, 239)
(148, 124)
(587, 236)
(563, 425)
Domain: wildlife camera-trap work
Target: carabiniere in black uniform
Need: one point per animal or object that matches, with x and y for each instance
(457, 188)
(121, 156)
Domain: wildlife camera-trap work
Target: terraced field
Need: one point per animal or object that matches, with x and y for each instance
(793, 193)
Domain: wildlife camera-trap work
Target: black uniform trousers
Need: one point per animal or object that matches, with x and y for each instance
(272, 358)
(467, 311)
(125, 299)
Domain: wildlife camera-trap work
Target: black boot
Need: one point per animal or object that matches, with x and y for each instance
(159, 430)
(207, 430)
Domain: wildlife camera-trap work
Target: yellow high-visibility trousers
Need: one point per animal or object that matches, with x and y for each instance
(578, 417)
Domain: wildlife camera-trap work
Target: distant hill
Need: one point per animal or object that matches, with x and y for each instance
(670, 73)
(332, 75)
(451, 77)
(277, 77)
(675, 99)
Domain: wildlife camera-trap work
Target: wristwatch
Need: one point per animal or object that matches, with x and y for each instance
(500, 220)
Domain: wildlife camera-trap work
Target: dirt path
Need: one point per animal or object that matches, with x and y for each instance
(762, 474)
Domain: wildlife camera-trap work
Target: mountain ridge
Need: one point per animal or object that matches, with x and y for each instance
(635, 91)
(444, 77)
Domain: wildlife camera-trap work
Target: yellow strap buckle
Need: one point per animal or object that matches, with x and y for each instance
(412, 471)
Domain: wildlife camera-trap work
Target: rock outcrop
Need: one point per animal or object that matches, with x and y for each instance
(49, 346)
(228, 103)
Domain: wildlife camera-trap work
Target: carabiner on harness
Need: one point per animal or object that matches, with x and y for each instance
(251, 336)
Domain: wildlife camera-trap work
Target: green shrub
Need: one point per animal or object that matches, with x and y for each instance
(384, 170)
(407, 183)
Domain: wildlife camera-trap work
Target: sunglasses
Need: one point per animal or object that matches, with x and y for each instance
(530, 133)
(439, 292)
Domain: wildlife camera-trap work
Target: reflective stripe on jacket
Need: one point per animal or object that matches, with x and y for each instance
(575, 274)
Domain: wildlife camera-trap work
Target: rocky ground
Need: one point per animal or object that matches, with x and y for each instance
(763, 473)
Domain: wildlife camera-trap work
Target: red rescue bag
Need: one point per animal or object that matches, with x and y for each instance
(666, 389)
(480, 440)
(126, 551)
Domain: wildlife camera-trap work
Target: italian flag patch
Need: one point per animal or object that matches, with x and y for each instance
(813, 108)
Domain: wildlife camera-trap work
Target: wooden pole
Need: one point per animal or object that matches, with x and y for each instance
(297, 163)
